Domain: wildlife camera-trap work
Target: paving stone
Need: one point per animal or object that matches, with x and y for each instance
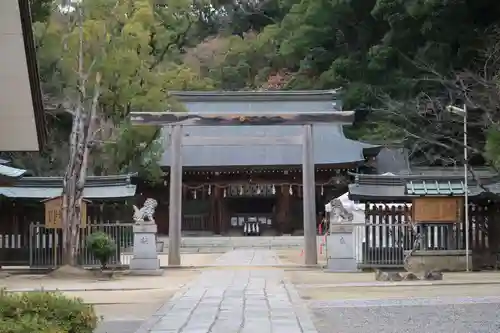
(245, 301)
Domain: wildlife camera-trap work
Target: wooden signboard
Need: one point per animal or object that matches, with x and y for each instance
(53, 213)
(437, 210)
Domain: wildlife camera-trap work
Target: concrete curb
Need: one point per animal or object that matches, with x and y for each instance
(298, 286)
(27, 290)
(405, 301)
(301, 310)
(395, 284)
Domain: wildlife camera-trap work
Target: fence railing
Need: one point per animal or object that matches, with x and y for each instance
(481, 218)
(195, 223)
(385, 244)
(14, 249)
(46, 245)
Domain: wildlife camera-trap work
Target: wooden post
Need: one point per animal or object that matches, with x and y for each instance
(309, 200)
(216, 210)
(175, 209)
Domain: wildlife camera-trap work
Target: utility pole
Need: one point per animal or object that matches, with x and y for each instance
(466, 193)
(463, 112)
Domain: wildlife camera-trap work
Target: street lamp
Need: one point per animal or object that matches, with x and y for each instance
(463, 112)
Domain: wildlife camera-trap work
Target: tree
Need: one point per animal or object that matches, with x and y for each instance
(389, 56)
(139, 63)
(108, 57)
(82, 136)
(368, 46)
(434, 135)
(41, 9)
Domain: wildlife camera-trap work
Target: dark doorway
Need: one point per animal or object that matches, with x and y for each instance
(251, 205)
(251, 209)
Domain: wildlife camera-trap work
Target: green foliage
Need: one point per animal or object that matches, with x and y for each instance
(492, 147)
(29, 324)
(101, 246)
(376, 50)
(41, 9)
(371, 44)
(45, 313)
(136, 149)
(136, 46)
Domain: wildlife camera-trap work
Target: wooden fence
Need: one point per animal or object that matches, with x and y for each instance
(45, 248)
(17, 217)
(388, 233)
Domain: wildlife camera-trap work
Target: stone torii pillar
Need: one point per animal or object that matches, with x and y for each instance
(179, 119)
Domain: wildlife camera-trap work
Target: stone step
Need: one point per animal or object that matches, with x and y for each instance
(218, 244)
(241, 242)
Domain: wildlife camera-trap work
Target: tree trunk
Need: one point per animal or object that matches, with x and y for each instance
(82, 136)
(76, 173)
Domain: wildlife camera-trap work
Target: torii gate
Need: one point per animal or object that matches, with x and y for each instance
(179, 119)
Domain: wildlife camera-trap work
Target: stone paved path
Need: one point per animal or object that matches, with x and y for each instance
(248, 258)
(240, 300)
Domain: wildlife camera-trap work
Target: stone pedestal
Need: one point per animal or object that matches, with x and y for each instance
(340, 249)
(145, 257)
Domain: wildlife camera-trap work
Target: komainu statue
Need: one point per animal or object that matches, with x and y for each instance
(147, 211)
(338, 212)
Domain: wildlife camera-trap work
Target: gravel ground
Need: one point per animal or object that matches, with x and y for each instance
(429, 315)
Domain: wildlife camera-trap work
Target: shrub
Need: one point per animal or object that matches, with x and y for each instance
(101, 246)
(45, 312)
(29, 324)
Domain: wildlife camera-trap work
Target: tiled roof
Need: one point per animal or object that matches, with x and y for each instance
(404, 187)
(96, 187)
(436, 187)
(394, 160)
(330, 144)
(10, 172)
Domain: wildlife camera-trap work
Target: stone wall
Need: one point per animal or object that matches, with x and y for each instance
(442, 260)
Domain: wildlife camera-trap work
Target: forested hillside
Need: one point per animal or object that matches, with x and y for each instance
(402, 61)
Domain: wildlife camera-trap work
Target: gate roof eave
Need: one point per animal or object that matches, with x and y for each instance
(259, 95)
(240, 119)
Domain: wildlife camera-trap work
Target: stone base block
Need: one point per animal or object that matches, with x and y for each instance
(440, 260)
(145, 227)
(339, 265)
(137, 264)
(339, 250)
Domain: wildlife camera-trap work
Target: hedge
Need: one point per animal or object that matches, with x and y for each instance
(45, 312)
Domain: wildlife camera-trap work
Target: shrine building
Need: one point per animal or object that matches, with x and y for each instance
(226, 186)
(22, 115)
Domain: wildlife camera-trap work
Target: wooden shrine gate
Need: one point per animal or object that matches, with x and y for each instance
(176, 120)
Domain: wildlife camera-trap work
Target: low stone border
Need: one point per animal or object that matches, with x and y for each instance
(27, 290)
(414, 301)
(389, 284)
(301, 311)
